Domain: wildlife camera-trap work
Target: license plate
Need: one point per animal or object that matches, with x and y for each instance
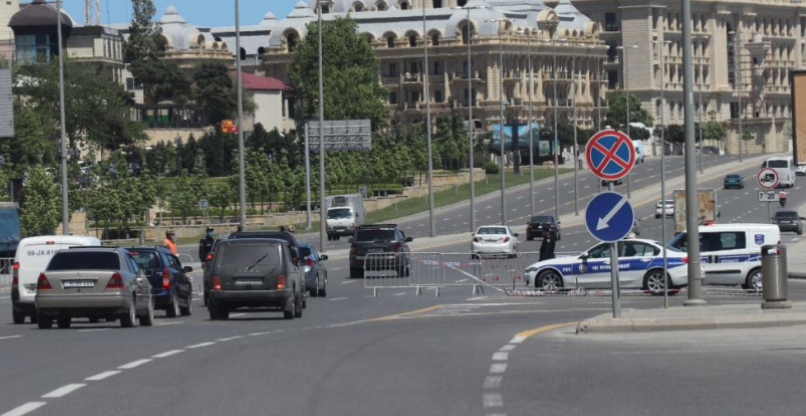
(491, 241)
(374, 250)
(71, 284)
(248, 281)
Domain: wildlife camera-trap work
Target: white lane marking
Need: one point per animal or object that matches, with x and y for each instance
(461, 281)
(11, 337)
(134, 364)
(493, 400)
(24, 409)
(337, 268)
(63, 391)
(400, 294)
(446, 219)
(508, 347)
(230, 338)
(488, 207)
(542, 200)
(202, 345)
(519, 198)
(498, 368)
(257, 334)
(102, 376)
(235, 315)
(94, 330)
(421, 225)
(501, 356)
(335, 299)
(347, 282)
(170, 323)
(493, 382)
(168, 354)
(586, 187)
(517, 340)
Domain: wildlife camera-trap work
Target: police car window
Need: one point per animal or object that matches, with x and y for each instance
(644, 250)
(732, 240)
(600, 251)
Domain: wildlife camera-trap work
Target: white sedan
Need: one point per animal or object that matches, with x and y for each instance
(640, 266)
(494, 240)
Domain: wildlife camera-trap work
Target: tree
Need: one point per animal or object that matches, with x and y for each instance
(214, 91)
(143, 43)
(351, 86)
(40, 210)
(617, 114)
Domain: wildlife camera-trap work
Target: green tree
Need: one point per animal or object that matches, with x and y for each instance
(40, 210)
(351, 86)
(617, 114)
(214, 91)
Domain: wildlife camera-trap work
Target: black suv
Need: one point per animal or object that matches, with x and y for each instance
(538, 223)
(170, 286)
(379, 238)
(788, 221)
(255, 273)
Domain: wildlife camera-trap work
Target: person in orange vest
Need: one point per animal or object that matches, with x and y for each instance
(169, 241)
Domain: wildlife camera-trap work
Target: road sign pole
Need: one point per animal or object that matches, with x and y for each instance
(616, 295)
(769, 212)
(308, 179)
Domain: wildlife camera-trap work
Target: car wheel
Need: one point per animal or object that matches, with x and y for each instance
(529, 237)
(800, 231)
(148, 318)
(559, 236)
(43, 321)
(173, 308)
(64, 322)
(206, 298)
(188, 310)
(127, 320)
(17, 316)
(299, 307)
(34, 318)
(356, 272)
(212, 308)
(654, 281)
(313, 293)
(322, 292)
(293, 312)
(549, 280)
(753, 281)
(657, 216)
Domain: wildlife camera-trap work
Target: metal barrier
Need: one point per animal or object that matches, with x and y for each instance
(6, 271)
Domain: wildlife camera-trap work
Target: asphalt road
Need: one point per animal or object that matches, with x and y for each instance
(400, 354)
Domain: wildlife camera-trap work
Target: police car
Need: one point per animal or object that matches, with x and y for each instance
(640, 266)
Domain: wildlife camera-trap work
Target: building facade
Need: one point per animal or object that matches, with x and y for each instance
(743, 52)
(489, 32)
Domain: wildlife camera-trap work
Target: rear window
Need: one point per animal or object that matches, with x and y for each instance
(541, 218)
(492, 230)
(786, 214)
(245, 255)
(84, 260)
(777, 164)
(146, 259)
(375, 235)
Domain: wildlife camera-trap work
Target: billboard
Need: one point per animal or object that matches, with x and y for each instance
(799, 115)
(523, 135)
(341, 135)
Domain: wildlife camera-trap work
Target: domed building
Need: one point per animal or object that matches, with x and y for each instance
(186, 45)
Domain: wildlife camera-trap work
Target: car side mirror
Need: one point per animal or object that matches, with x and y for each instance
(323, 257)
(187, 269)
(409, 239)
(584, 256)
(559, 222)
(516, 234)
(802, 218)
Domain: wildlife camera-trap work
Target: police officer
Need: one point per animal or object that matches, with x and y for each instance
(206, 245)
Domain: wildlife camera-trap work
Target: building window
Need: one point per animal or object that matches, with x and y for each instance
(358, 7)
(392, 70)
(438, 96)
(435, 39)
(612, 79)
(392, 97)
(415, 96)
(381, 6)
(413, 40)
(731, 63)
(611, 24)
(243, 54)
(390, 42)
(462, 3)
(413, 68)
(292, 39)
(404, 5)
(466, 33)
(32, 49)
(612, 52)
(437, 4)
(437, 68)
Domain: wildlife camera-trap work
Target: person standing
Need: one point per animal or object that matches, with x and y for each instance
(169, 241)
(547, 246)
(206, 245)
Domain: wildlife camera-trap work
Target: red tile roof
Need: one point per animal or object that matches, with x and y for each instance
(252, 82)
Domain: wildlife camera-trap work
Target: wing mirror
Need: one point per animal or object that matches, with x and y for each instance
(409, 239)
(187, 269)
(323, 257)
(584, 256)
(516, 234)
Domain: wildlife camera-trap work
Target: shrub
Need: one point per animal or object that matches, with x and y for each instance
(490, 168)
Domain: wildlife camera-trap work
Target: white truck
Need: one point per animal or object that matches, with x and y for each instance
(706, 205)
(343, 214)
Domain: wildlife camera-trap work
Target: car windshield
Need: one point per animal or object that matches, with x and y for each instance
(786, 214)
(375, 235)
(678, 243)
(246, 255)
(541, 219)
(492, 231)
(339, 214)
(777, 164)
(84, 260)
(146, 259)
(734, 176)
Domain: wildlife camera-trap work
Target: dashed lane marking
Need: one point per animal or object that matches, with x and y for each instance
(11, 337)
(94, 330)
(347, 282)
(102, 376)
(63, 391)
(493, 382)
(134, 364)
(493, 400)
(498, 368)
(235, 315)
(170, 323)
(168, 354)
(336, 299)
(24, 409)
(202, 345)
(501, 356)
(230, 338)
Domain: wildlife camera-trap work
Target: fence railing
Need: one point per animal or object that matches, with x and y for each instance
(6, 271)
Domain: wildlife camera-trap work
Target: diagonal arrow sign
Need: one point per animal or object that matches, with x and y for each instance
(604, 222)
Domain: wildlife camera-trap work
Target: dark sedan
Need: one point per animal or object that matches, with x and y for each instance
(789, 221)
(315, 270)
(538, 223)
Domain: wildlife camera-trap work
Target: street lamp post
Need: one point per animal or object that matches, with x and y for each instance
(427, 88)
(241, 150)
(531, 130)
(576, 142)
(663, 165)
(63, 128)
(738, 65)
(627, 92)
(470, 100)
(322, 211)
(702, 110)
(556, 141)
(502, 120)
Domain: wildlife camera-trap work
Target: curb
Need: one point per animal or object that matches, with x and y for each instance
(594, 326)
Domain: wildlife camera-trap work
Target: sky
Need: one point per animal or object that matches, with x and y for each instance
(196, 12)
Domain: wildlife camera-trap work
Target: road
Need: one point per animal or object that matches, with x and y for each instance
(400, 354)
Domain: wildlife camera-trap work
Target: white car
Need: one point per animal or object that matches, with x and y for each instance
(494, 240)
(664, 208)
(640, 266)
(800, 169)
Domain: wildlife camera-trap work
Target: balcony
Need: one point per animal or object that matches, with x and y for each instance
(412, 78)
(455, 77)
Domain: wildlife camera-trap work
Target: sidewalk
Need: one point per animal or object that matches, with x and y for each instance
(687, 318)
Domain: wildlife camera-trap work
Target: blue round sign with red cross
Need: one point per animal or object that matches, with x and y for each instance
(610, 154)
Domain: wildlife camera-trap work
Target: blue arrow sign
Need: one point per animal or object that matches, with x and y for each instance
(609, 217)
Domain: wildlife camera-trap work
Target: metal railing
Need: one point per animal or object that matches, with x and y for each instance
(6, 271)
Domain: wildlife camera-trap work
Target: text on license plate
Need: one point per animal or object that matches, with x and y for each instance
(78, 283)
(248, 281)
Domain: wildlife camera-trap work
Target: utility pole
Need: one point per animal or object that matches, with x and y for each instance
(62, 134)
(241, 149)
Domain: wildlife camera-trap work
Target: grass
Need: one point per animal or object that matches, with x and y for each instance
(417, 205)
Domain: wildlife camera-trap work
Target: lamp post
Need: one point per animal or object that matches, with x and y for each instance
(62, 135)
(556, 141)
(502, 120)
(531, 130)
(702, 110)
(738, 65)
(663, 165)
(627, 91)
(598, 94)
(241, 150)
(322, 213)
(427, 88)
(576, 142)
(470, 101)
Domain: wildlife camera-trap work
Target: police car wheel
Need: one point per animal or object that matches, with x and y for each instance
(549, 280)
(654, 281)
(753, 281)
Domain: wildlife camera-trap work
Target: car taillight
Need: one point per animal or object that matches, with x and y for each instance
(281, 281)
(16, 265)
(476, 239)
(216, 282)
(309, 262)
(166, 278)
(42, 283)
(115, 282)
(685, 259)
(15, 270)
(506, 239)
(209, 257)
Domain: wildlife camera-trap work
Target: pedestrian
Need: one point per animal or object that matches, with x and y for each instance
(547, 246)
(206, 245)
(169, 241)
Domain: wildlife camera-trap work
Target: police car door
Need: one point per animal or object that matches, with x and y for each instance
(593, 267)
(723, 254)
(634, 259)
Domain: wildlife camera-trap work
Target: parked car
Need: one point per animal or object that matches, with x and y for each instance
(32, 257)
(96, 283)
(170, 285)
(734, 181)
(538, 223)
(255, 273)
(789, 221)
(494, 240)
(315, 270)
(388, 239)
(800, 169)
(664, 208)
(640, 266)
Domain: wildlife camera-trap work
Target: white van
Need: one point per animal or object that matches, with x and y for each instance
(731, 253)
(33, 256)
(638, 145)
(785, 166)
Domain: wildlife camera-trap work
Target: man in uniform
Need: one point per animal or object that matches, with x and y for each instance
(206, 245)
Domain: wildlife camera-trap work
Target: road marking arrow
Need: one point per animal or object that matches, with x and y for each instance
(604, 222)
